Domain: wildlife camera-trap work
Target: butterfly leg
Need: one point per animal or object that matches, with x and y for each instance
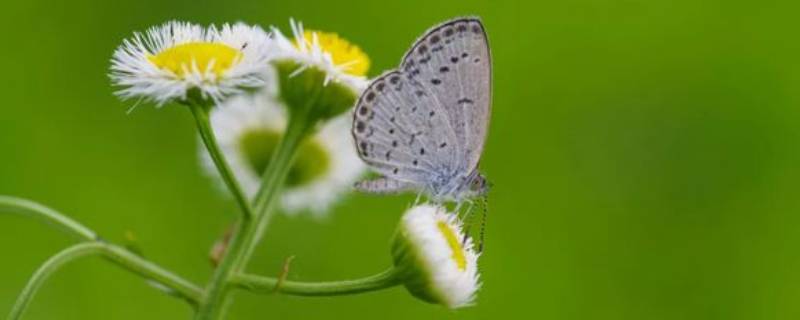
(419, 196)
(467, 213)
(383, 185)
(467, 218)
(483, 221)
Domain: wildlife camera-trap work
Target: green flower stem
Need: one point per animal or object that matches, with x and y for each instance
(147, 269)
(214, 301)
(245, 238)
(274, 179)
(47, 269)
(217, 288)
(120, 256)
(200, 113)
(259, 284)
(48, 215)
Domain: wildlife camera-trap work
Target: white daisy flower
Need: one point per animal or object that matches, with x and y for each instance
(338, 59)
(169, 61)
(248, 129)
(438, 265)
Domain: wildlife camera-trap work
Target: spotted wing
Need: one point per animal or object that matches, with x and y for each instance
(401, 131)
(452, 61)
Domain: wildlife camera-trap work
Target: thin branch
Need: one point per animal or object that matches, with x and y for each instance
(46, 214)
(47, 269)
(149, 270)
(218, 157)
(120, 256)
(260, 284)
(246, 236)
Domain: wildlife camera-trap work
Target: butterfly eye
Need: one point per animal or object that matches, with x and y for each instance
(477, 183)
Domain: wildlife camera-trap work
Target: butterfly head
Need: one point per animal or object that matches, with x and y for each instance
(479, 186)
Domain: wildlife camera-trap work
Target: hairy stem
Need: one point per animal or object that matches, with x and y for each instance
(217, 287)
(259, 284)
(246, 236)
(210, 141)
(272, 182)
(48, 215)
(145, 268)
(120, 256)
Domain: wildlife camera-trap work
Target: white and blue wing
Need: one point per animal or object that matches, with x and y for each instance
(453, 61)
(401, 131)
(423, 126)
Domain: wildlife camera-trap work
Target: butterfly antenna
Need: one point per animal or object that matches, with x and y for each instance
(483, 221)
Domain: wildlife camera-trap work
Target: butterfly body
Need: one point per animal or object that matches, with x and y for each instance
(423, 125)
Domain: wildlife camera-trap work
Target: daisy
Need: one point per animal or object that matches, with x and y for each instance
(248, 129)
(439, 264)
(183, 61)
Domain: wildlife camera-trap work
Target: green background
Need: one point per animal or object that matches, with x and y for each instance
(644, 155)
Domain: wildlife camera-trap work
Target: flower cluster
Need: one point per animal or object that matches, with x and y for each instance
(256, 85)
(235, 68)
(249, 129)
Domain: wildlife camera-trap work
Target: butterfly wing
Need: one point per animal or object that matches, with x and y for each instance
(452, 61)
(401, 130)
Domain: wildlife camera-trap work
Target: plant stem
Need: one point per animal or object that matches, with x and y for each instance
(48, 268)
(207, 135)
(48, 215)
(120, 256)
(245, 237)
(217, 288)
(261, 284)
(143, 267)
(273, 181)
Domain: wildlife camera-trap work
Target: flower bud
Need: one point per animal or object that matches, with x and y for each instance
(319, 73)
(436, 262)
(311, 91)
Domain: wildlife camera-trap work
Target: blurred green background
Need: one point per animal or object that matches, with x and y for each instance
(644, 155)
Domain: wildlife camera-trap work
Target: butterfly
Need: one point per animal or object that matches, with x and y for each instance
(423, 126)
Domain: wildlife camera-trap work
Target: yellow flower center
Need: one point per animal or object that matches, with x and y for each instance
(454, 243)
(345, 54)
(181, 59)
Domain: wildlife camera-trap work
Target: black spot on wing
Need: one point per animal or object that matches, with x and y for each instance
(465, 101)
